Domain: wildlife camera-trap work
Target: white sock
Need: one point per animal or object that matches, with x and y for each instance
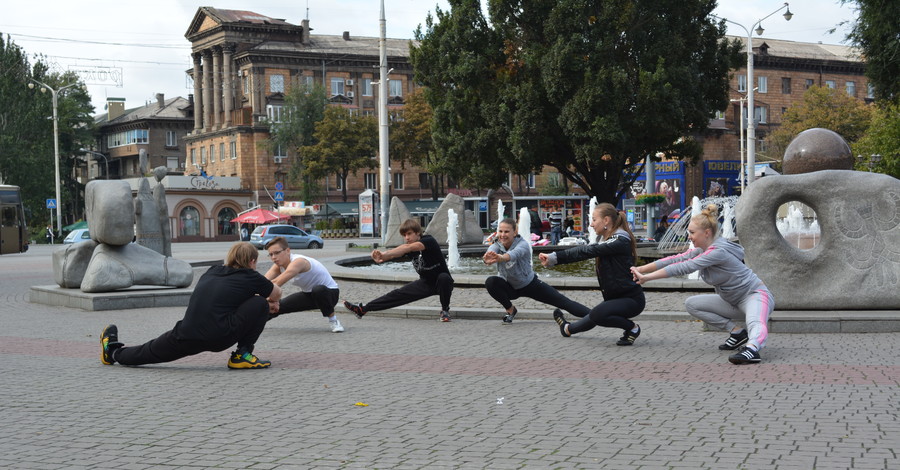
(332, 319)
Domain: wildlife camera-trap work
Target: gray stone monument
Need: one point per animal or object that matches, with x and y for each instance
(398, 213)
(438, 225)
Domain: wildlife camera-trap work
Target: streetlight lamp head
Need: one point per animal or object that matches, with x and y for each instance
(788, 15)
(760, 30)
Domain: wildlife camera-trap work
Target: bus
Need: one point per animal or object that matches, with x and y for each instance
(13, 232)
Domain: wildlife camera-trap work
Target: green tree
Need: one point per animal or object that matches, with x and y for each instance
(823, 107)
(882, 138)
(26, 133)
(588, 87)
(410, 138)
(345, 143)
(876, 32)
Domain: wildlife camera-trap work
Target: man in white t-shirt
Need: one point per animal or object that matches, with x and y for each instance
(318, 288)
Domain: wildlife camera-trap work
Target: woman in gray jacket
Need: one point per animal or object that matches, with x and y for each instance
(740, 294)
(516, 278)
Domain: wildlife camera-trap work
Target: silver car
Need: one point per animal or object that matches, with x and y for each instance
(295, 237)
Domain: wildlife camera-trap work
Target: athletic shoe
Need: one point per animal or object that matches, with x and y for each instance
(109, 342)
(746, 356)
(508, 318)
(336, 326)
(246, 361)
(445, 316)
(628, 337)
(561, 321)
(734, 341)
(355, 308)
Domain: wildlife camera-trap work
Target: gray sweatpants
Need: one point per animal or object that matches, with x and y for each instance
(754, 310)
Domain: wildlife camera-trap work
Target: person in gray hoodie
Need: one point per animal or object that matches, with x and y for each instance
(740, 294)
(516, 278)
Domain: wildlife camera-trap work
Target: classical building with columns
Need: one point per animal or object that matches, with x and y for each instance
(244, 63)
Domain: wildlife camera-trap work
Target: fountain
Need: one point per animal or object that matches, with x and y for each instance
(592, 234)
(525, 229)
(795, 230)
(452, 239)
(675, 239)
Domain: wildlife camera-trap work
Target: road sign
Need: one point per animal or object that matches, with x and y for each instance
(51, 203)
(279, 186)
(279, 195)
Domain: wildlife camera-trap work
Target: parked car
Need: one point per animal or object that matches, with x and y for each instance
(77, 235)
(295, 237)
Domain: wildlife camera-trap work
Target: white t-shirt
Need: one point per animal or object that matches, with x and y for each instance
(316, 276)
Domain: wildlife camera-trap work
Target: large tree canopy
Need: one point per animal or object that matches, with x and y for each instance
(588, 87)
(876, 31)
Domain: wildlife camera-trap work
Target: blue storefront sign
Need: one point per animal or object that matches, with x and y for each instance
(720, 178)
(669, 181)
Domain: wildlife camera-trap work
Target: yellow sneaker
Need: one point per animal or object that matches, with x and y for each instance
(246, 361)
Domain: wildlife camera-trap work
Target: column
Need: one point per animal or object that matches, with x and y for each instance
(207, 89)
(227, 50)
(217, 87)
(198, 93)
(254, 94)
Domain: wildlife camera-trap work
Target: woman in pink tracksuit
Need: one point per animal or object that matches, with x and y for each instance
(740, 294)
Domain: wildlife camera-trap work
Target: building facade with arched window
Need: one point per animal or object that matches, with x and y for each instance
(201, 208)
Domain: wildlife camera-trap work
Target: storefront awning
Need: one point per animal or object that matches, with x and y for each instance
(345, 209)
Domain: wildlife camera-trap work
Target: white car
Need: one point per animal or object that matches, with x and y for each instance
(76, 236)
(567, 241)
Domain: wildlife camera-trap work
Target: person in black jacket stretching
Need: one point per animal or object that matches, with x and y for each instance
(615, 253)
(429, 263)
(230, 304)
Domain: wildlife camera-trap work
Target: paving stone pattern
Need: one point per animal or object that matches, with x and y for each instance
(465, 394)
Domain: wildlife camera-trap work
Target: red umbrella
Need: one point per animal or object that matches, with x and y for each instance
(259, 216)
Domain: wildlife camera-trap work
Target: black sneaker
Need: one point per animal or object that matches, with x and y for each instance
(109, 342)
(445, 316)
(746, 356)
(561, 321)
(355, 308)
(628, 337)
(735, 341)
(246, 361)
(508, 318)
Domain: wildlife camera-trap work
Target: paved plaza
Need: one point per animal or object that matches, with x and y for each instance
(417, 393)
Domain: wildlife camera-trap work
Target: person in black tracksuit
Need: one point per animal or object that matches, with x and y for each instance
(615, 253)
(230, 304)
(429, 263)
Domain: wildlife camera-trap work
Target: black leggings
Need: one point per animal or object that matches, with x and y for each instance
(613, 313)
(413, 291)
(319, 297)
(537, 289)
(249, 321)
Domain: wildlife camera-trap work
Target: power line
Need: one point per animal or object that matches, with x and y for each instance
(103, 43)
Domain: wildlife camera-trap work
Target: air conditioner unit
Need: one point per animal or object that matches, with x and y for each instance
(349, 82)
(279, 159)
(251, 204)
(349, 94)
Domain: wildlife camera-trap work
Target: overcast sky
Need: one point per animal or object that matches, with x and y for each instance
(145, 40)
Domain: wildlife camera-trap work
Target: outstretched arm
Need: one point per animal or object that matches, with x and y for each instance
(299, 265)
(382, 256)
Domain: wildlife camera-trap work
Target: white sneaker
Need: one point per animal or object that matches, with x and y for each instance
(336, 326)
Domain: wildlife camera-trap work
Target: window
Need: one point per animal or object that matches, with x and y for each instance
(870, 91)
(529, 180)
(371, 178)
(212, 153)
(451, 183)
(338, 182)
(759, 114)
(720, 115)
(398, 181)
(276, 83)
(851, 88)
(396, 88)
(279, 151)
(136, 136)
(233, 150)
(171, 139)
(203, 155)
(742, 83)
(193, 157)
(222, 151)
(367, 87)
(424, 181)
(337, 86)
(189, 219)
(809, 83)
(172, 162)
(762, 84)
(786, 85)
(245, 83)
(830, 84)
(225, 226)
(308, 80)
(274, 112)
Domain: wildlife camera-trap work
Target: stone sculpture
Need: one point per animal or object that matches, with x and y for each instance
(855, 265)
(438, 225)
(109, 261)
(396, 216)
(147, 229)
(162, 208)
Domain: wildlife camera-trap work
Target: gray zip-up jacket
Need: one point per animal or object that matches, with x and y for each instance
(721, 266)
(517, 271)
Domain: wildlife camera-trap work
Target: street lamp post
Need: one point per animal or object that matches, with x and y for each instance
(751, 121)
(105, 160)
(743, 171)
(54, 94)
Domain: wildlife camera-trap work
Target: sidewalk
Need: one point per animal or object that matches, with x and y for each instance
(464, 394)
